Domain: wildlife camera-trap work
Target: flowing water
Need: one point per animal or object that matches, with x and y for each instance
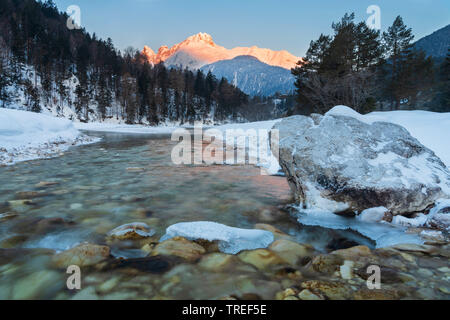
(130, 178)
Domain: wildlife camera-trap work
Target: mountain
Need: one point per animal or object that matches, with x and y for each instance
(252, 76)
(436, 44)
(200, 49)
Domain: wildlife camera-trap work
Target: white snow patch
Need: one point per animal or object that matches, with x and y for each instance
(373, 214)
(267, 161)
(430, 128)
(418, 221)
(231, 240)
(27, 135)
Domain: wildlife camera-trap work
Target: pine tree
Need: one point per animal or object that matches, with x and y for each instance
(340, 69)
(397, 43)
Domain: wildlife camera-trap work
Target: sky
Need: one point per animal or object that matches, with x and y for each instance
(276, 24)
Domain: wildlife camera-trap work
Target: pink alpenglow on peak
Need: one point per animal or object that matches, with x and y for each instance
(200, 49)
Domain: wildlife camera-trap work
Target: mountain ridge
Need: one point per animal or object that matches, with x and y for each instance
(253, 76)
(202, 50)
(435, 44)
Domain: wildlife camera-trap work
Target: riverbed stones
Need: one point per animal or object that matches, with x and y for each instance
(326, 263)
(20, 204)
(268, 227)
(341, 163)
(135, 169)
(353, 252)
(261, 258)
(410, 247)
(366, 294)
(152, 264)
(45, 184)
(131, 231)
(308, 295)
(88, 293)
(291, 251)
(179, 247)
(217, 262)
(37, 285)
(332, 290)
(30, 194)
(83, 255)
(7, 216)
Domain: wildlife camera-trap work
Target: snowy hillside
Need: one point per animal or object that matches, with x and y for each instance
(28, 135)
(252, 76)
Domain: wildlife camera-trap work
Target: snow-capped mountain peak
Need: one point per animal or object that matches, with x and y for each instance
(200, 49)
(202, 38)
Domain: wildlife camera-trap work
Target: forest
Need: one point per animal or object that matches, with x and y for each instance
(43, 63)
(369, 70)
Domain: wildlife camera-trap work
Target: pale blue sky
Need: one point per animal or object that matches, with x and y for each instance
(274, 24)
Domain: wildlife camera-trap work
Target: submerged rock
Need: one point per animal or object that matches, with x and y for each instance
(332, 290)
(308, 295)
(343, 163)
(291, 251)
(83, 255)
(179, 247)
(261, 258)
(154, 264)
(132, 231)
(40, 284)
(217, 262)
(231, 240)
(45, 184)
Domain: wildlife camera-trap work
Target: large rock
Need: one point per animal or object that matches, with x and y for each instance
(344, 163)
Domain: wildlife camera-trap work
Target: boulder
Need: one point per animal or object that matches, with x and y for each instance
(345, 163)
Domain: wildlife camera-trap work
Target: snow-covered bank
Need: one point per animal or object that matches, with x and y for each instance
(27, 136)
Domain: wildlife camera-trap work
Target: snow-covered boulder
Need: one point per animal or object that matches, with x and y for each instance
(231, 240)
(342, 162)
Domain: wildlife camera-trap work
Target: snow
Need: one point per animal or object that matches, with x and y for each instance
(430, 128)
(26, 136)
(416, 222)
(373, 214)
(435, 214)
(231, 240)
(124, 128)
(266, 161)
